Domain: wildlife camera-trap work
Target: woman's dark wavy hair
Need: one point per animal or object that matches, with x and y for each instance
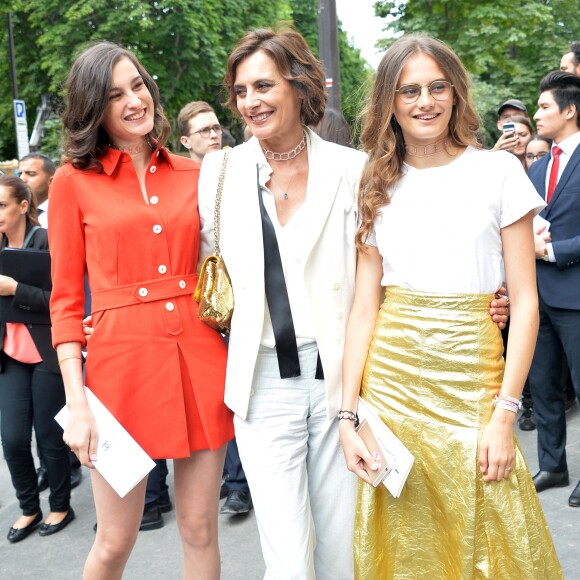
(87, 94)
(295, 62)
(382, 137)
(21, 192)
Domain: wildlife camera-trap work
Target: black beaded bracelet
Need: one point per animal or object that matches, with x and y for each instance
(349, 415)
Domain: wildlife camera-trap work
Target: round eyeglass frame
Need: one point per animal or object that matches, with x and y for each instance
(206, 131)
(429, 86)
(537, 156)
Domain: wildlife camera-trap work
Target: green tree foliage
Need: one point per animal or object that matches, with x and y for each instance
(507, 45)
(184, 44)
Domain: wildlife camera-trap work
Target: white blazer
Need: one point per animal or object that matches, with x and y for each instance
(329, 275)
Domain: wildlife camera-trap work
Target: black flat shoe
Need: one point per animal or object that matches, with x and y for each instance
(547, 479)
(49, 529)
(18, 534)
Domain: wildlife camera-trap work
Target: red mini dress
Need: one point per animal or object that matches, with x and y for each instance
(151, 361)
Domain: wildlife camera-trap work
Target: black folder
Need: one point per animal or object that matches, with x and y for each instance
(30, 267)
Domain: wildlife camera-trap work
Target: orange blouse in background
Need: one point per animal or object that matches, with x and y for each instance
(152, 363)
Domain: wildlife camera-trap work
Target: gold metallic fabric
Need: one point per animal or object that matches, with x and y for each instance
(215, 294)
(434, 364)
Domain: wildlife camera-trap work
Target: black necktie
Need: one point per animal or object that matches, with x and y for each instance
(277, 298)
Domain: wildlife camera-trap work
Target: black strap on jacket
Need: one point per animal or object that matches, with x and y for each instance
(29, 235)
(278, 302)
(277, 297)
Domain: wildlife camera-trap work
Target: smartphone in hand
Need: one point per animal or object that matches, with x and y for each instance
(508, 127)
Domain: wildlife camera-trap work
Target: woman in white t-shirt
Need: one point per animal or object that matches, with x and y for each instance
(437, 214)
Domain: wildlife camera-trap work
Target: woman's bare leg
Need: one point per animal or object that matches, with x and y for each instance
(118, 525)
(197, 488)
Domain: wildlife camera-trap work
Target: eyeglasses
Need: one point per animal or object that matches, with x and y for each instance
(541, 154)
(439, 90)
(206, 131)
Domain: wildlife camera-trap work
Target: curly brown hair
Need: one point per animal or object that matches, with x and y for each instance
(382, 137)
(87, 90)
(295, 62)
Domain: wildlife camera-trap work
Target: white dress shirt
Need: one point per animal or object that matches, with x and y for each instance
(43, 214)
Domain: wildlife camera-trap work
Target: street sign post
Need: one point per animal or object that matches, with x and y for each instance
(21, 128)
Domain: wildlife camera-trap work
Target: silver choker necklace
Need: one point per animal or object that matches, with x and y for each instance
(274, 156)
(426, 150)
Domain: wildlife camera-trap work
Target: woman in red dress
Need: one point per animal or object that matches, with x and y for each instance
(124, 211)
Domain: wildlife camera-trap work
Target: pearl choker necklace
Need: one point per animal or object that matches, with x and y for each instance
(274, 156)
(426, 150)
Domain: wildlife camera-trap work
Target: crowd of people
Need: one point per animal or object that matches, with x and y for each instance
(338, 296)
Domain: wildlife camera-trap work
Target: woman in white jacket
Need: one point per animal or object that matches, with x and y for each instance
(286, 427)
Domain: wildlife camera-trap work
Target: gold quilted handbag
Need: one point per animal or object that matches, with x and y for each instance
(214, 290)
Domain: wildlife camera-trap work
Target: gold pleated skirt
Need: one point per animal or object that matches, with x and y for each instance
(435, 362)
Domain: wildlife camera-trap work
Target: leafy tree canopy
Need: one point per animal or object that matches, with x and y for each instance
(507, 45)
(184, 44)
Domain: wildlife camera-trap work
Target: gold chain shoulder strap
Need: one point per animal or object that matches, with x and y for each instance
(218, 203)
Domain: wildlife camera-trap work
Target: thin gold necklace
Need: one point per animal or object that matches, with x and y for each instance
(132, 149)
(285, 190)
(427, 150)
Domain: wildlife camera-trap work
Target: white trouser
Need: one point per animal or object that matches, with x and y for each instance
(303, 494)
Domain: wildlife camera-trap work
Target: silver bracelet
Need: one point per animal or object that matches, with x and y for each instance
(348, 415)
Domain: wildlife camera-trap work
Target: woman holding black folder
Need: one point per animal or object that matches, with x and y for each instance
(31, 387)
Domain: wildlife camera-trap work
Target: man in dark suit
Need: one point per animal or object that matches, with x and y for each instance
(557, 178)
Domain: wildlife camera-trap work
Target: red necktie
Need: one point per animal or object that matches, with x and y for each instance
(554, 172)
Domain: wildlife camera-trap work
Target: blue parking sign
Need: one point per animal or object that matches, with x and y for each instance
(21, 128)
(19, 109)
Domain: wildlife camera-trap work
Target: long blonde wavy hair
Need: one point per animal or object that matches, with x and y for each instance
(382, 137)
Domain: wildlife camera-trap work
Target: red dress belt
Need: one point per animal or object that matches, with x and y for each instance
(147, 291)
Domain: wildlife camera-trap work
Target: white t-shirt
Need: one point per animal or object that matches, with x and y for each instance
(441, 231)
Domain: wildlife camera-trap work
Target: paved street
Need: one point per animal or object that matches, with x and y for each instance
(158, 553)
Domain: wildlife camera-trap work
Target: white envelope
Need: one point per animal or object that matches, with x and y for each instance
(400, 458)
(120, 459)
